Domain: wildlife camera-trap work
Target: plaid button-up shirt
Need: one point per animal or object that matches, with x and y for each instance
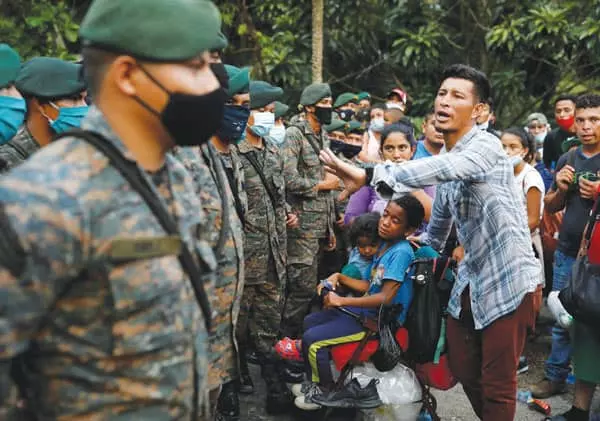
(477, 191)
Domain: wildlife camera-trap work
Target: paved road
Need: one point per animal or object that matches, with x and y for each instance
(452, 405)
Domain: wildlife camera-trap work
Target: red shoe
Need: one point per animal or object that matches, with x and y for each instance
(289, 349)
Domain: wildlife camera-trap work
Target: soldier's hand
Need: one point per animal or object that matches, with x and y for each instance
(292, 220)
(332, 243)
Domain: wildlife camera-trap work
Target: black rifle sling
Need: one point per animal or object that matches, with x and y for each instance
(252, 158)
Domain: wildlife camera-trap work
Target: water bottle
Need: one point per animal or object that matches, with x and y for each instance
(524, 396)
(424, 416)
(571, 379)
(564, 319)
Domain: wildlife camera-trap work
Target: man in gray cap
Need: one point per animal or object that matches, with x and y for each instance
(54, 93)
(538, 127)
(309, 192)
(100, 319)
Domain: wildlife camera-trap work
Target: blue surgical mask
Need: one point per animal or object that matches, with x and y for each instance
(377, 124)
(277, 134)
(233, 125)
(263, 122)
(515, 160)
(540, 137)
(68, 118)
(12, 114)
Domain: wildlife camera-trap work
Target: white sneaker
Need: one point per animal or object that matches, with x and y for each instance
(301, 403)
(297, 389)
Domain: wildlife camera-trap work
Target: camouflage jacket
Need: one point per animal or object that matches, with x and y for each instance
(211, 184)
(18, 149)
(265, 220)
(235, 175)
(302, 171)
(98, 319)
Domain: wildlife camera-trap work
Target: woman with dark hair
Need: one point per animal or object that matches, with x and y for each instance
(398, 145)
(372, 137)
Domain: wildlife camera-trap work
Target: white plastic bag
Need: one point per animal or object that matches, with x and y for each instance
(396, 387)
(405, 412)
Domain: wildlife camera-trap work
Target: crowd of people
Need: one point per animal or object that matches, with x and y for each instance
(166, 220)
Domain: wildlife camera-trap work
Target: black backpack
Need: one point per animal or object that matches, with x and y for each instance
(433, 277)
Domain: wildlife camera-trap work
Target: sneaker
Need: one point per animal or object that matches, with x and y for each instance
(547, 388)
(299, 389)
(289, 349)
(302, 403)
(523, 366)
(306, 401)
(352, 396)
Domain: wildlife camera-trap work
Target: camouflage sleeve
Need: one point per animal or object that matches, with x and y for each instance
(40, 250)
(240, 179)
(295, 183)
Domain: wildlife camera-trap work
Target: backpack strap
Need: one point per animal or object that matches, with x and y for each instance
(259, 170)
(131, 172)
(310, 139)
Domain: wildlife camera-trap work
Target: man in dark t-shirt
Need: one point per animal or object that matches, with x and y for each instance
(573, 190)
(564, 113)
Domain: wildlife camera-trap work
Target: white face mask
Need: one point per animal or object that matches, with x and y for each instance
(263, 123)
(277, 134)
(377, 124)
(515, 160)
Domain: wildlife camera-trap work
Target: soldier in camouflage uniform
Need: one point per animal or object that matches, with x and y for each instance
(265, 245)
(99, 320)
(309, 192)
(222, 159)
(53, 90)
(12, 104)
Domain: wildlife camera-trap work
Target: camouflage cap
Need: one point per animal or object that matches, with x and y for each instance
(239, 80)
(263, 93)
(281, 109)
(336, 125)
(156, 30)
(345, 98)
(314, 93)
(48, 77)
(10, 62)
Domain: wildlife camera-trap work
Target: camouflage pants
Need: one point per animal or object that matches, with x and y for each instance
(260, 316)
(304, 255)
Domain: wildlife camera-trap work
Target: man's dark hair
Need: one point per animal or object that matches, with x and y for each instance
(430, 113)
(378, 106)
(365, 226)
(587, 101)
(481, 84)
(415, 213)
(565, 97)
(95, 64)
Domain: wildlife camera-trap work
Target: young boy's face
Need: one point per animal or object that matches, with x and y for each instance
(366, 247)
(393, 224)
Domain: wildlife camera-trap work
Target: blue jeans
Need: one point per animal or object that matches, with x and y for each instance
(558, 363)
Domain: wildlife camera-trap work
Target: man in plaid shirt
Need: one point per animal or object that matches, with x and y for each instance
(491, 305)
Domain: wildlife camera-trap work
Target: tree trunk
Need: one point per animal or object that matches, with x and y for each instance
(317, 40)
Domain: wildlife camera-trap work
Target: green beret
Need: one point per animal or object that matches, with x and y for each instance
(569, 143)
(10, 62)
(156, 30)
(281, 109)
(364, 95)
(239, 80)
(263, 94)
(355, 127)
(335, 125)
(314, 93)
(48, 77)
(221, 42)
(344, 99)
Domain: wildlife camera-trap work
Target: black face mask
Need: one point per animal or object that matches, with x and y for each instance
(221, 74)
(362, 115)
(349, 151)
(323, 114)
(191, 120)
(346, 115)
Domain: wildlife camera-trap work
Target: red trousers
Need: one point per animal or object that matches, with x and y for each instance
(485, 361)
